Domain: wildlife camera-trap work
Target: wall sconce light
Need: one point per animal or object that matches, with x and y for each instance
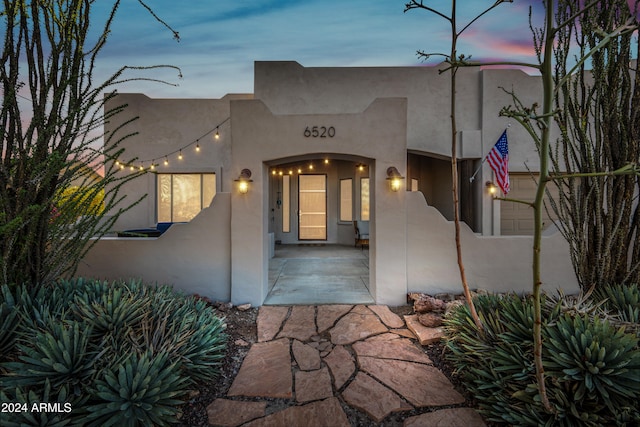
(394, 178)
(491, 188)
(243, 181)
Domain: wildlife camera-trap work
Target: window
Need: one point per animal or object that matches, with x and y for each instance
(286, 204)
(364, 199)
(182, 196)
(346, 199)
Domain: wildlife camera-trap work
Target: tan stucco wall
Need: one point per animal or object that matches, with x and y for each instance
(193, 257)
(496, 264)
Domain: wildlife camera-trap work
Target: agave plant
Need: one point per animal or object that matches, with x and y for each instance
(110, 312)
(59, 354)
(62, 408)
(595, 360)
(594, 368)
(622, 303)
(141, 391)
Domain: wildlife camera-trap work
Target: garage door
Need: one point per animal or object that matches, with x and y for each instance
(517, 218)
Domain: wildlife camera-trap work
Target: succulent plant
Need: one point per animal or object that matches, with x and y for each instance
(141, 391)
(61, 407)
(59, 354)
(593, 368)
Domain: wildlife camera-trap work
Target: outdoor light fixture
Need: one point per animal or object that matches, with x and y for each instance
(243, 181)
(394, 178)
(491, 188)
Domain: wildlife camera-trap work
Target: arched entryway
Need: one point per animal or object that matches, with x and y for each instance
(377, 135)
(316, 202)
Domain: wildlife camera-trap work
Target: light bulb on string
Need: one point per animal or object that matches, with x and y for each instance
(217, 135)
(166, 161)
(180, 155)
(153, 166)
(198, 146)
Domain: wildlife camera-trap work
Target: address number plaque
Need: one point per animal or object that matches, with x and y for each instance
(319, 132)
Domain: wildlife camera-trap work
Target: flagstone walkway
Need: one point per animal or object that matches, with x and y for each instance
(313, 364)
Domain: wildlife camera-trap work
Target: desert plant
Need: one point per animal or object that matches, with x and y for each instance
(141, 391)
(206, 346)
(111, 311)
(153, 343)
(60, 354)
(597, 363)
(62, 408)
(622, 302)
(594, 368)
(186, 329)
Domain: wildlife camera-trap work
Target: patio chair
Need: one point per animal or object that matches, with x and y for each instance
(361, 234)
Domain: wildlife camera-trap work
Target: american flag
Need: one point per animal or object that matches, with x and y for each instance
(498, 159)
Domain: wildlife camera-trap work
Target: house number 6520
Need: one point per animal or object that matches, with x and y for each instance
(319, 132)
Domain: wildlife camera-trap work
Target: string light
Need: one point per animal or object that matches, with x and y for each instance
(195, 142)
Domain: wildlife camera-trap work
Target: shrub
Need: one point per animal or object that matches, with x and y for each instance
(593, 369)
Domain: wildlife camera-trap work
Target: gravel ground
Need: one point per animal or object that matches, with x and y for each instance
(241, 327)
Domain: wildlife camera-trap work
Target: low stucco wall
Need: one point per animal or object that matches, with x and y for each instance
(497, 264)
(193, 257)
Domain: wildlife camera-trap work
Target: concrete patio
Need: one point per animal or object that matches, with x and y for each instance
(319, 274)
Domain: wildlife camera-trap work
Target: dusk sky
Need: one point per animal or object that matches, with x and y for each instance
(220, 40)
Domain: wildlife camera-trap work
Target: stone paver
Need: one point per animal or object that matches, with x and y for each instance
(307, 357)
(454, 417)
(315, 360)
(378, 401)
(328, 314)
(341, 364)
(387, 316)
(231, 413)
(270, 320)
(420, 384)
(265, 371)
(301, 323)
(425, 335)
(325, 413)
(354, 327)
(313, 385)
(395, 348)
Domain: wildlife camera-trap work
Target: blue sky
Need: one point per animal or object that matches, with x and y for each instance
(221, 39)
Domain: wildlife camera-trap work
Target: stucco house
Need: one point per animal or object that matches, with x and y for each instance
(308, 153)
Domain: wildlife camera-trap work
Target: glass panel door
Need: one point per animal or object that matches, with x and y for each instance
(312, 207)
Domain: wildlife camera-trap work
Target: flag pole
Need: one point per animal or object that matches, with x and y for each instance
(473, 177)
(484, 159)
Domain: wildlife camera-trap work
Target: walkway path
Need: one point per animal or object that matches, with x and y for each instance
(312, 365)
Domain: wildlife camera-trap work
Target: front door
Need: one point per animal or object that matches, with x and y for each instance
(312, 207)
